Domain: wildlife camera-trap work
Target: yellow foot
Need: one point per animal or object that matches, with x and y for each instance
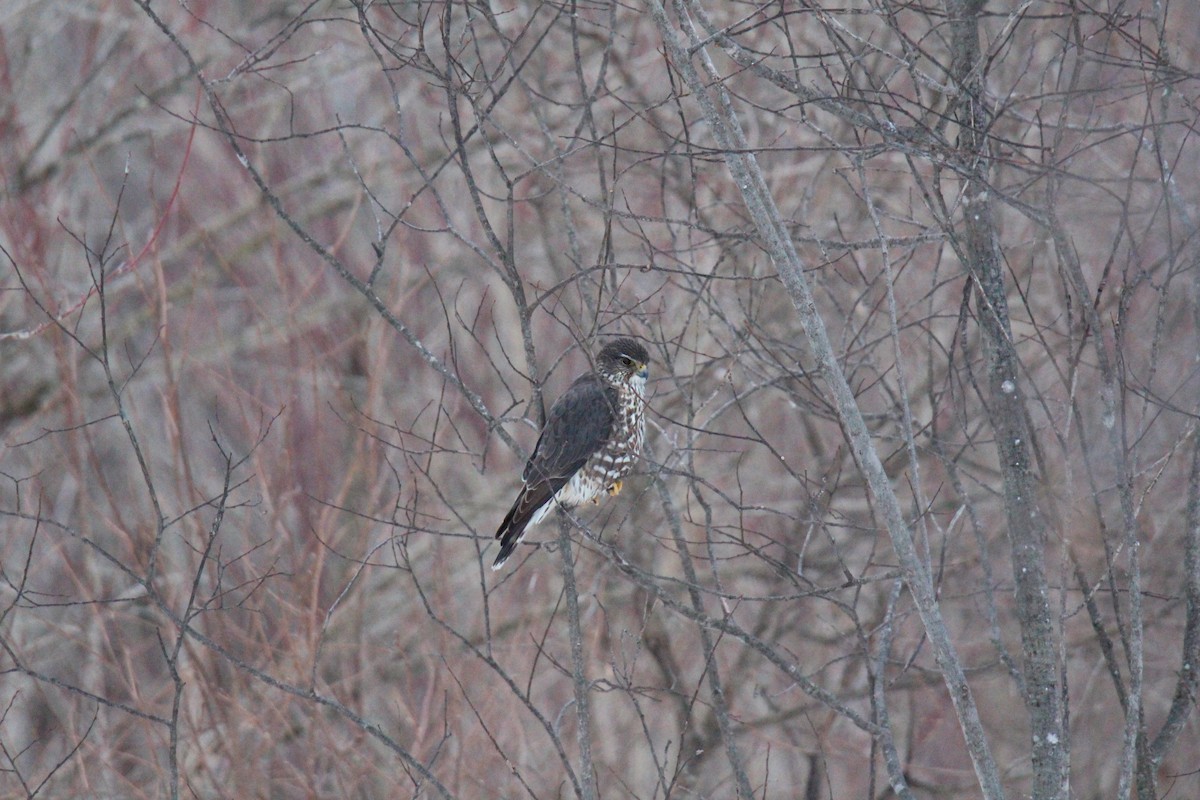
(615, 489)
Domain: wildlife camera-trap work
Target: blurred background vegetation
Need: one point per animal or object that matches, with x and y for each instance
(284, 286)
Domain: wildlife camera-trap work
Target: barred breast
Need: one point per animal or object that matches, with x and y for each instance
(616, 459)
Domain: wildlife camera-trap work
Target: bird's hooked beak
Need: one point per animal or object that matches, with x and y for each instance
(643, 371)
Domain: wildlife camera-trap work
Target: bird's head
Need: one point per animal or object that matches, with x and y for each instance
(622, 360)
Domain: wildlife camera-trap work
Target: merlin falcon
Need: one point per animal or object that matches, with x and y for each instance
(592, 438)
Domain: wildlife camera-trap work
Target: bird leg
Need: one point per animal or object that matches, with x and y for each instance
(615, 489)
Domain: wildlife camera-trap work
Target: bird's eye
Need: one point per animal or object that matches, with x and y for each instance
(626, 361)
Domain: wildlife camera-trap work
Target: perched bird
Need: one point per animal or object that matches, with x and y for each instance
(593, 436)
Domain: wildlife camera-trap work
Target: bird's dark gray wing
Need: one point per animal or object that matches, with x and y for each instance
(578, 425)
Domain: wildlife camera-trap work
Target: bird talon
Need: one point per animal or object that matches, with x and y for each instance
(615, 489)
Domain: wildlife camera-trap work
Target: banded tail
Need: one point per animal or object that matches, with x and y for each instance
(532, 504)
